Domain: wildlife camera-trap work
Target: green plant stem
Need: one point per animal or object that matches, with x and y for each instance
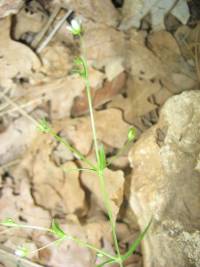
(75, 239)
(71, 148)
(31, 227)
(119, 153)
(99, 171)
(109, 210)
(89, 97)
(46, 246)
(82, 243)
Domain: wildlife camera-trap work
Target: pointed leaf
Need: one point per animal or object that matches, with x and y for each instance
(136, 243)
(9, 222)
(131, 134)
(56, 229)
(44, 126)
(102, 158)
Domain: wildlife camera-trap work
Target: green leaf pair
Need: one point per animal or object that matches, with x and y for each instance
(81, 67)
(102, 158)
(44, 126)
(57, 231)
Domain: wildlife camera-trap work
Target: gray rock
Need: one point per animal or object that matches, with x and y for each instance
(165, 184)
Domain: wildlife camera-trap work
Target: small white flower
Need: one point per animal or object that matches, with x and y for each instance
(75, 27)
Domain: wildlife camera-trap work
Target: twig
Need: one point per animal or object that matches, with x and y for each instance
(25, 105)
(21, 110)
(40, 35)
(53, 32)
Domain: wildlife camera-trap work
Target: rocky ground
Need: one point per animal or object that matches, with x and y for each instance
(144, 62)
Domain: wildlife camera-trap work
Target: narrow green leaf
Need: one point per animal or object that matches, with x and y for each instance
(131, 134)
(102, 158)
(56, 229)
(136, 243)
(44, 126)
(78, 61)
(9, 222)
(81, 67)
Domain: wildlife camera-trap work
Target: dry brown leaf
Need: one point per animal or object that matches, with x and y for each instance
(163, 62)
(99, 11)
(111, 130)
(60, 92)
(63, 188)
(56, 60)
(16, 139)
(29, 23)
(114, 181)
(100, 44)
(16, 59)
(137, 102)
(179, 75)
(22, 205)
(100, 96)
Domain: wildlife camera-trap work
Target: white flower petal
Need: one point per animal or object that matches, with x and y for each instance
(75, 25)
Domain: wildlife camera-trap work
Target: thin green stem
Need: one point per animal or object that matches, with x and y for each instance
(82, 243)
(31, 227)
(75, 239)
(71, 148)
(109, 210)
(48, 245)
(100, 172)
(119, 153)
(20, 109)
(89, 97)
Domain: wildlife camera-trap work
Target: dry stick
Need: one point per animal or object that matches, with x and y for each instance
(57, 137)
(22, 111)
(25, 105)
(41, 35)
(53, 32)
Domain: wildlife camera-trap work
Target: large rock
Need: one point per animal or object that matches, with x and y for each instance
(165, 184)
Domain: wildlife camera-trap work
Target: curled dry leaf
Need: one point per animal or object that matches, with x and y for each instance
(137, 103)
(13, 57)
